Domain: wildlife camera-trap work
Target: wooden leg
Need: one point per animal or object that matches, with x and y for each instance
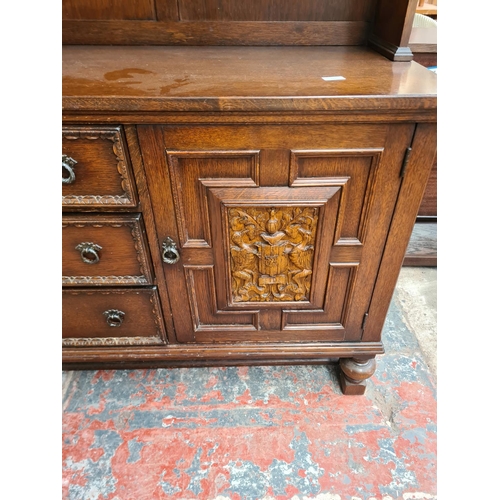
(353, 373)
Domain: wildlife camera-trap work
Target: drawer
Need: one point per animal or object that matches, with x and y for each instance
(105, 250)
(112, 316)
(96, 169)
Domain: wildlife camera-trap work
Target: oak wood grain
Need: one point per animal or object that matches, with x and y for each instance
(167, 10)
(392, 26)
(254, 79)
(122, 258)
(409, 199)
(102, 171)
(218, 33)
(385, 24)
(364, 158)
(428, 206)
(108, 10)
(149, 223)
(85, 323)
(212, 128)
(394, 111)
(217, 353)
(277, 10)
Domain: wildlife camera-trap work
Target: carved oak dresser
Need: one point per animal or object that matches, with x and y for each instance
(240, 180)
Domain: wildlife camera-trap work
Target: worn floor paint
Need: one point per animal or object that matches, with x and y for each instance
(248, 433)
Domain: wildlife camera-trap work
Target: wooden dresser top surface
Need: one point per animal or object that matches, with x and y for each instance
(167, 78)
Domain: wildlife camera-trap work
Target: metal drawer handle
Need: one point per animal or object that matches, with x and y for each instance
(89, 250)
(67, 164)
(170, 254)
(114, 317)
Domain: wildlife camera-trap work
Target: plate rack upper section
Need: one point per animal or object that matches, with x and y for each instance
(384, 24)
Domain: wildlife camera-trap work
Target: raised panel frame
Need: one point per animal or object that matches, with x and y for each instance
(202, 184)
(223, 199)
(295, 181)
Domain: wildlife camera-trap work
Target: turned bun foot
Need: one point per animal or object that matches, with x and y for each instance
(353, 373)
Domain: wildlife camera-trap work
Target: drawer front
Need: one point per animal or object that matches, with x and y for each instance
(112, 317)
(105, 250)
(96, 170)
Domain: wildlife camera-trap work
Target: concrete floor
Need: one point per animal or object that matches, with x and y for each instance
(417, 296)
(263, 433)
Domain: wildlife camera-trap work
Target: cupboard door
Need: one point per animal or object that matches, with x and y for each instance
(280, 228)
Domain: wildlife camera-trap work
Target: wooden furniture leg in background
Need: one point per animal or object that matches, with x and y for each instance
(422, 248)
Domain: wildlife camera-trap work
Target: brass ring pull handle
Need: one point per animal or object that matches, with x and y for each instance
(67, 164)
(88, 252)
(170, 254)
(114, 317)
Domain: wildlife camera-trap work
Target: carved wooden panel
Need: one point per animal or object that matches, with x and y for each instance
(267, 249)
(122, 257)
(272, 252)
(103, 175)
(85, 322)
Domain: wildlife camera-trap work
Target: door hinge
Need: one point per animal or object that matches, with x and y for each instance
(365, 317)
(405, 162)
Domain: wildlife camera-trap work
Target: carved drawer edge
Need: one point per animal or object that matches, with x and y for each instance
(105, 280)
(112, 341)
(116, 137)
(97, 200)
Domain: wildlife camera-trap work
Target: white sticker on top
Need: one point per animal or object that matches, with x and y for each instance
(332, 78)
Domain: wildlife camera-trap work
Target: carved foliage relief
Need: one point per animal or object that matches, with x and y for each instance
(271, 253)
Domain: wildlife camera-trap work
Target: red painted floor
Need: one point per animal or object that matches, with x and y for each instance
(238, 433)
